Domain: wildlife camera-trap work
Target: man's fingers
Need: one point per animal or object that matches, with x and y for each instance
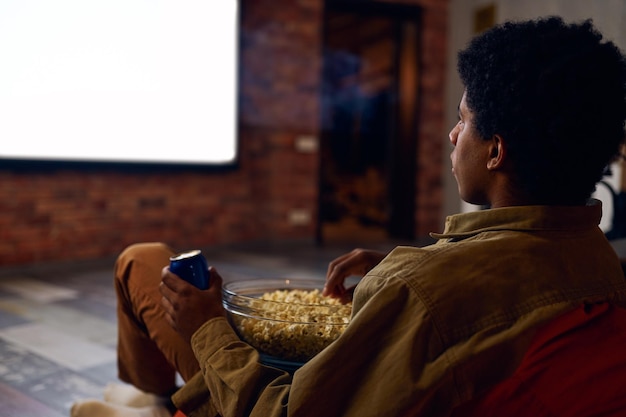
(165, 290)
(215, 282)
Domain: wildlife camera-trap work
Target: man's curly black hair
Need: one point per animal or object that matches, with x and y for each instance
(556, 93)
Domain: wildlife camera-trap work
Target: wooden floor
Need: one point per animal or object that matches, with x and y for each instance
(58, 323)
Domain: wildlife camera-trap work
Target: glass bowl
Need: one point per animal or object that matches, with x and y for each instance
(287, 332)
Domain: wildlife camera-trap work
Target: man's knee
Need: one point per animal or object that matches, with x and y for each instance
(146, 250)
(149, 253)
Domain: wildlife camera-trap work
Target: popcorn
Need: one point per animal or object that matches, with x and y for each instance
(294, 325)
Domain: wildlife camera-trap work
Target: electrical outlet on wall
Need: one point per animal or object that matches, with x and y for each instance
(299, 217)
(306, 143)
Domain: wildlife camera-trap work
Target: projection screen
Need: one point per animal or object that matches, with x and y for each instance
(139, 81)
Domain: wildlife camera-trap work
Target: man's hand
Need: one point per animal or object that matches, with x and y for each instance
(187, 307)
(358, 262)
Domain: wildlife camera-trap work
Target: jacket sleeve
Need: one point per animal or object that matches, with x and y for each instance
(385, 363)
(238, 384)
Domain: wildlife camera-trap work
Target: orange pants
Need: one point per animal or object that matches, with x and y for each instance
(150, 352)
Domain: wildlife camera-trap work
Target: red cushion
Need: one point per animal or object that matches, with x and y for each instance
(575, 367)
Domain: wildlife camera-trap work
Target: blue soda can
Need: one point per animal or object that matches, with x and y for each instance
(192, 267)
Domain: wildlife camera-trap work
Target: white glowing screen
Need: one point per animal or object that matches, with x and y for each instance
(118, 80)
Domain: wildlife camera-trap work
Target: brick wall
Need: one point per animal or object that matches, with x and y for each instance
(64, 214)
(432, 131)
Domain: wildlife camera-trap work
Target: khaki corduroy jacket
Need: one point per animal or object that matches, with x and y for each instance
(432, 327)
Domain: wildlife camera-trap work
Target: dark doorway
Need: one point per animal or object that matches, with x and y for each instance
(369, 126)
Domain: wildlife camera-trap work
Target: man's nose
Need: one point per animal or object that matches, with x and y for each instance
(453, 135)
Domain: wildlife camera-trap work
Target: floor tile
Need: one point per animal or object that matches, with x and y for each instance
(66, 319)
(19, 366)
(92, 306)
(67, 350)
(102, 374)
(15, 404)
(32, 289)
(61, 390)
(10, 313)
(42, 383)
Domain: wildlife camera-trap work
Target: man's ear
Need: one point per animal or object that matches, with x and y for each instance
(497, 153)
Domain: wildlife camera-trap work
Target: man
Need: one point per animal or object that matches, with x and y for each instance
(458, 327)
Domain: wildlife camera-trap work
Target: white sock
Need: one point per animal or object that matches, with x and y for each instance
(129, 395)
(97, 408)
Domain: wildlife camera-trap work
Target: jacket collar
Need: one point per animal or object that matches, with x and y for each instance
(521, 218)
